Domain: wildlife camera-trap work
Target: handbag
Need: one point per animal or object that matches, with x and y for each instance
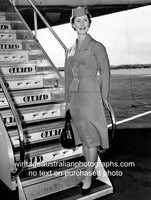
(67, 136)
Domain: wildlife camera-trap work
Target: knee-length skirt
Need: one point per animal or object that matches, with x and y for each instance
(88, 119)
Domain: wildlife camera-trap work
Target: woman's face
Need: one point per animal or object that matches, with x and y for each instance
(81, 24)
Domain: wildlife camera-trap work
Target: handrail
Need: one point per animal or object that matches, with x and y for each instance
(113, 122)
(19, 126)
(47, 25)
(112, 125)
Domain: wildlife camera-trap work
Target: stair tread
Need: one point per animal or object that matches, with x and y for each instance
(47, 153)
(13, 52)
(74, 193)
(32, 128)
(12, 31)
(18, 40)
(40, 133)
(34, 114)
(36, 91)
(11, 22)
(40, 62)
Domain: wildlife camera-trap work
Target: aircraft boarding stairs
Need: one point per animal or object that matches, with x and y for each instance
(32, 108)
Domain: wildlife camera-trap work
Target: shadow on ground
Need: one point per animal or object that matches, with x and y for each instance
(131, 151)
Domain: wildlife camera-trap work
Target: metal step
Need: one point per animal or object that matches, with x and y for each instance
(36, 96)
(54, 153)
(23, 82)
(13, 34)
(22, 56)
(40, 133)
(34, 114)
(55, 168)
(30, 45)
(14, 25)
(14, 56)
(39, 66)
(20, 68)
(11, 45)
(10, 16)
(7, 35)
(99, 189)
(50, 182)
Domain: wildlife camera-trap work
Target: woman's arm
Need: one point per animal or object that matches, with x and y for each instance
(104, 69)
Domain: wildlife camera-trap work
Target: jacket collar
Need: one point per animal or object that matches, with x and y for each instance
(84, 44)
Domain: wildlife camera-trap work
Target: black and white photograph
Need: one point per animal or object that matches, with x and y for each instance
(75, 99)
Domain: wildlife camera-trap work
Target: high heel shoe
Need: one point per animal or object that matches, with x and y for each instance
(79, 185)
(87, 190)
(94, 176)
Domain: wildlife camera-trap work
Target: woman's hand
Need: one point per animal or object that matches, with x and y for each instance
(105, 103)
(67, 106)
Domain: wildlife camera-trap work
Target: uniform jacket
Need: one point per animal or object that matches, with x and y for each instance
(82, 66)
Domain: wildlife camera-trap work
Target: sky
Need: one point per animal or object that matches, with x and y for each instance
(126, 36)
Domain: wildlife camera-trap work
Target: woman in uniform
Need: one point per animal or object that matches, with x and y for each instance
(84, 94)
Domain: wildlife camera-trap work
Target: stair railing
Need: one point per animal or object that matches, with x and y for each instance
(47, 24)
(18, 124)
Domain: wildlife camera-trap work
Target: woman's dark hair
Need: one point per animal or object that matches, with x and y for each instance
(73, 18)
